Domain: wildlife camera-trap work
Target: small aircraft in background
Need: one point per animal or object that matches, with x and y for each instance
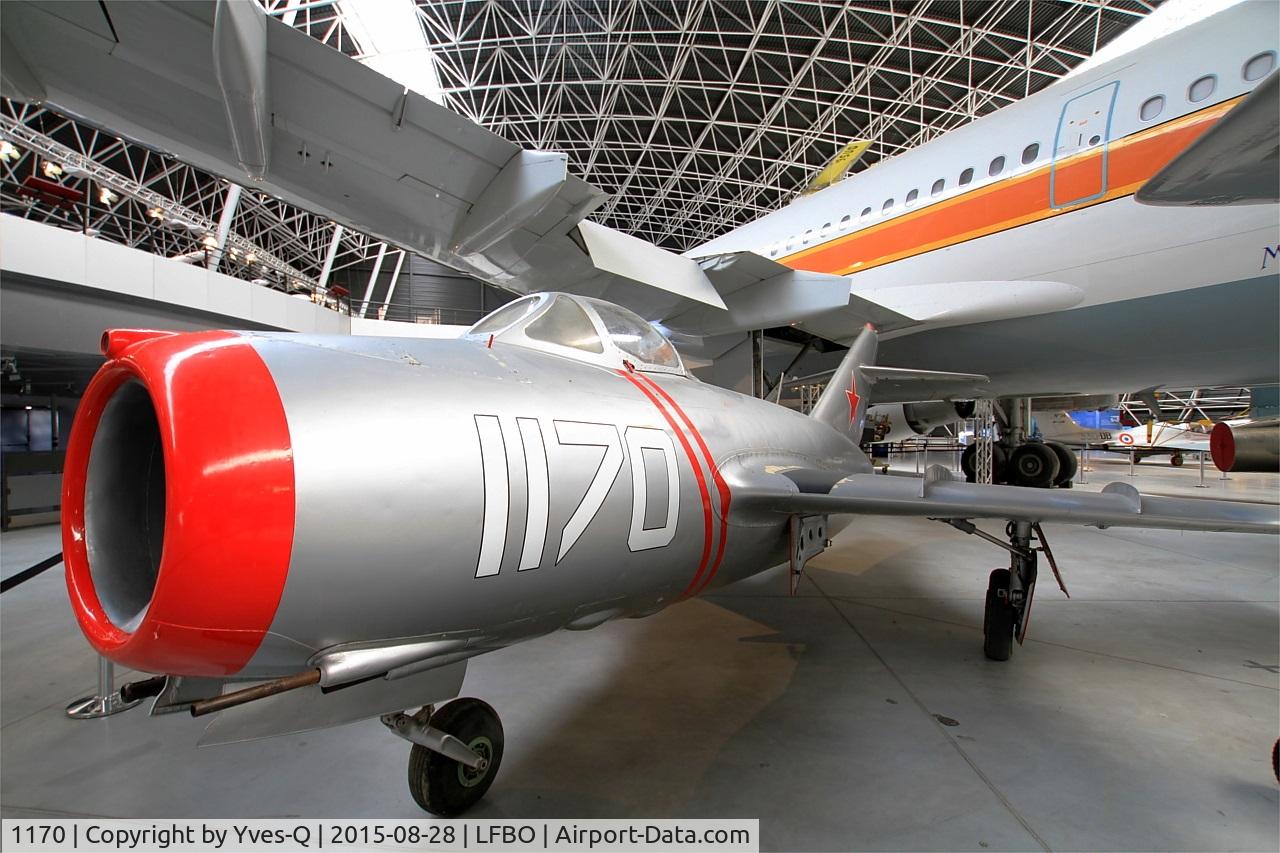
(1234, 444)
(555, 467)
(1106, 430)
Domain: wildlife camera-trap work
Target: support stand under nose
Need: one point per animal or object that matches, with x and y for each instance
(106, 701)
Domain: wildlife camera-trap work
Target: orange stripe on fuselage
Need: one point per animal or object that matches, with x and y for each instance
(1018, 200)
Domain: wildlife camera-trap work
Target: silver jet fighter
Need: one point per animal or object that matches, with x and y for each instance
(554, 468)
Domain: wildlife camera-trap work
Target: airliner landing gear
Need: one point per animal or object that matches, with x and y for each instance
(457, 750)
(1068, 466)
(1034, 464)
(1019, 460)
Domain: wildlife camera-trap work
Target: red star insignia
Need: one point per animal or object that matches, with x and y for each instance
(852, 394)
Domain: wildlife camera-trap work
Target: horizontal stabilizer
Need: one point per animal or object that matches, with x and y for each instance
(938, 496)
(1236, 162)
(904, 385)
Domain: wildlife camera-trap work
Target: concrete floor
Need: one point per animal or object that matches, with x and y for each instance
(859, 715)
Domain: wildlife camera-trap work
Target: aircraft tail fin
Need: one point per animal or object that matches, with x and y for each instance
(843, 404)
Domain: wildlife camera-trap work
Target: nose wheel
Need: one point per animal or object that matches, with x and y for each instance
(1010, 591)
(999, 619)
(456, 753)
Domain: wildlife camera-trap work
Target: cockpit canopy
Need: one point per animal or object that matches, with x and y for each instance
(580, 328)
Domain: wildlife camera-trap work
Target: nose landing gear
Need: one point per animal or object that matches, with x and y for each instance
(1010, 591)
(456, 753)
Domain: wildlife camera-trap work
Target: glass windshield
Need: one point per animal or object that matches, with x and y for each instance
(635, 336)
(505, 316)
(566, 324)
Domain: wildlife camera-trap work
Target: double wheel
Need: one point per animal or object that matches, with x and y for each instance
(1039, 464)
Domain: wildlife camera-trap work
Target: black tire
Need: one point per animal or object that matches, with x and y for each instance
(997, 620)
(1176, 460)
(999, 464)
(1033, 464)
(1067, 464)
(441, 785)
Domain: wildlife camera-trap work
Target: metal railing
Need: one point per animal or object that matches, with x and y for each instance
(412, 313)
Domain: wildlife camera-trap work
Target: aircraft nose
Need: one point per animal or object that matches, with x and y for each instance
(178, 503)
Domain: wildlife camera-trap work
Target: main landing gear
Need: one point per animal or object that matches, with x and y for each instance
(1039, 464)
(457, 750)
(1010, 591)
(1018, 460)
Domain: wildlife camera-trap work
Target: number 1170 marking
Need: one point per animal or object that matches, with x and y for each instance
(525, 437)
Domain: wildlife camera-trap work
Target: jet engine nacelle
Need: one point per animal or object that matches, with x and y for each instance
(899, 422)
(1246, 447)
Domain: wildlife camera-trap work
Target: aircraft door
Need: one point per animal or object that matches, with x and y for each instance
(1079, 170)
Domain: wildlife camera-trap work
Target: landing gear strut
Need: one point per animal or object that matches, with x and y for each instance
(1020, 460)
(1009, 594)
(456, 753)
(1010, 591)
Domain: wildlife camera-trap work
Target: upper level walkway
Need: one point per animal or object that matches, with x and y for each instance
(60, 289)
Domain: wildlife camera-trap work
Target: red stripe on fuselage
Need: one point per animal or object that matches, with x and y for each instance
(697, 473)
(722, 488)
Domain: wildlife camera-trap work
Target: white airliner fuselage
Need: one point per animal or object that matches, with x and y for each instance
(1020, 232)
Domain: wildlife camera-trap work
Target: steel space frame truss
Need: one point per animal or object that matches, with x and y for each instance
(695, 115)
(700, 115)
(164, 206)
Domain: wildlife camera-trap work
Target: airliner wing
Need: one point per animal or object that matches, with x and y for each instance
(1236, 162)
(938, 496)
(329, 135)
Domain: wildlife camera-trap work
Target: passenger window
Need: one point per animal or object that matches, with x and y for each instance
(773, 250)
(912, 196)
(845, 220)
(966, 176)
(938, 186)
(996, 167)
(888, 203)
(808, 235)
(1030, 153)
(824, 230)
(791, 241)
(566, 324)
(1151, 107)
(866, 211)
(1259, 66)
(1202, 88)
